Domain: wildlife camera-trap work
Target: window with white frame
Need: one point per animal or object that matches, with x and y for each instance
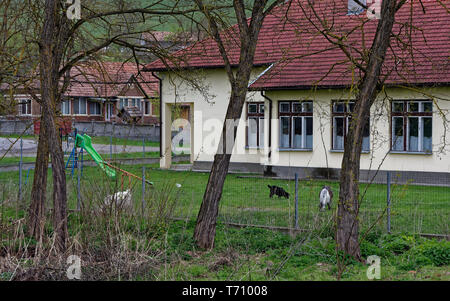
(147, 107)
(412, 126)
(25, 107)
(95, 108)
(123, 102)
(296, 124)
(65, 107)
(79, 106)
(136, 102)
(255, 124)
(342, 116)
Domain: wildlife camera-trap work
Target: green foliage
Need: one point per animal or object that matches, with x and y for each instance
(397, 244)
(369, 248)
(433, 251)
(254, 240)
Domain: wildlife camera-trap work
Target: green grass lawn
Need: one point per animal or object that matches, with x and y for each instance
(122, 141)
(138, 155)
(414, 209)
(249, 253)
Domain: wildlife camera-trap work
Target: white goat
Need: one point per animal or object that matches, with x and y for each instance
(121, 199)
(326, 196)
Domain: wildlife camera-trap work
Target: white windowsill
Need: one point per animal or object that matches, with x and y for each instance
(342, 151)
(295, 150)
(410, 153)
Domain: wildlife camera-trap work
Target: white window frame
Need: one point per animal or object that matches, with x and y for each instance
(99, 106)
(260, 118)
(149, 107)
(77, 100)
(291, 115)
(28, 103)
(406, 124)
(69, 103)
(346, 115)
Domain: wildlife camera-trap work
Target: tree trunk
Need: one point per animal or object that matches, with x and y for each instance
(347, 235)
(205, 229)
(51, 50)
(36, 211)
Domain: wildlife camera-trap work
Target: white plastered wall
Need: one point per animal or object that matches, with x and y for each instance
(379, 156)
(209, 100)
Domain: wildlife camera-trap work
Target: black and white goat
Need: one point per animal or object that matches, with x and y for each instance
(326, 197)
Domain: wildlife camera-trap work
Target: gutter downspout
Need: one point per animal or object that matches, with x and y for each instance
(268, 171)
(160, 114)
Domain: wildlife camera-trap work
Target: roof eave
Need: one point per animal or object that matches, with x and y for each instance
(323, 87)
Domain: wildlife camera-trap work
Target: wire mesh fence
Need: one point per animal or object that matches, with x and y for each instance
(405, 207)
(246, 200)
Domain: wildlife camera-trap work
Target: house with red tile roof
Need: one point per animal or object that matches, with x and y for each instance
(98, 92)
(301, 95)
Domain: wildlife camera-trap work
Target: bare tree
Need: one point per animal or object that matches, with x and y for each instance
(248, 32)
(369, 62)
(62, 43)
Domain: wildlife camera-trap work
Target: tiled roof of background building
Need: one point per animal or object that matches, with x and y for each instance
(302, 57)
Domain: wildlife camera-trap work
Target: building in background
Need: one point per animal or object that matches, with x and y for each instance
(98, 92)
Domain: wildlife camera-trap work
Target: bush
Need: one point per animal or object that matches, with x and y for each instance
(368, 248)
(398, 244)
(433, 251)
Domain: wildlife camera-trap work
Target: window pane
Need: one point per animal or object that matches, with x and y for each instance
(413, 106)
(366, 138)
(397, 133)
(76, 106)
(297, 128)
(339, 107)
(397, 107)
(261, 132)
(309, 132)
(413, 128)
(252, 132)
(284, 132)
(297, 107)
(427, 106)
(92, 108)
(66, 107)
(261, 109)
(427, 132)
(252, 108)
(285, 107)
(82, 106)
(351, 106)
(338, 133)
(147, 108)
(307, 107)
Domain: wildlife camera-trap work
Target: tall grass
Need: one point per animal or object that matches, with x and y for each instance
(115, 242)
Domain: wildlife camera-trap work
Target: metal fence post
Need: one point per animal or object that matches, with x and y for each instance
(20, 169)
(296, 200)
(110, 146)
(143, 147)
(143, 189)
(389, 202)
(80, 170)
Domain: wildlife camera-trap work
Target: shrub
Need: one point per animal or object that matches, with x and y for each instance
(433, 251)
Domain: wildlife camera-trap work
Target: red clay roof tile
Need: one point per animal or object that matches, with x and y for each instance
(302, 57)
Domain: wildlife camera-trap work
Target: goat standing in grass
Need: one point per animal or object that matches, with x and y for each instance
(325, 196)
(121, 199)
